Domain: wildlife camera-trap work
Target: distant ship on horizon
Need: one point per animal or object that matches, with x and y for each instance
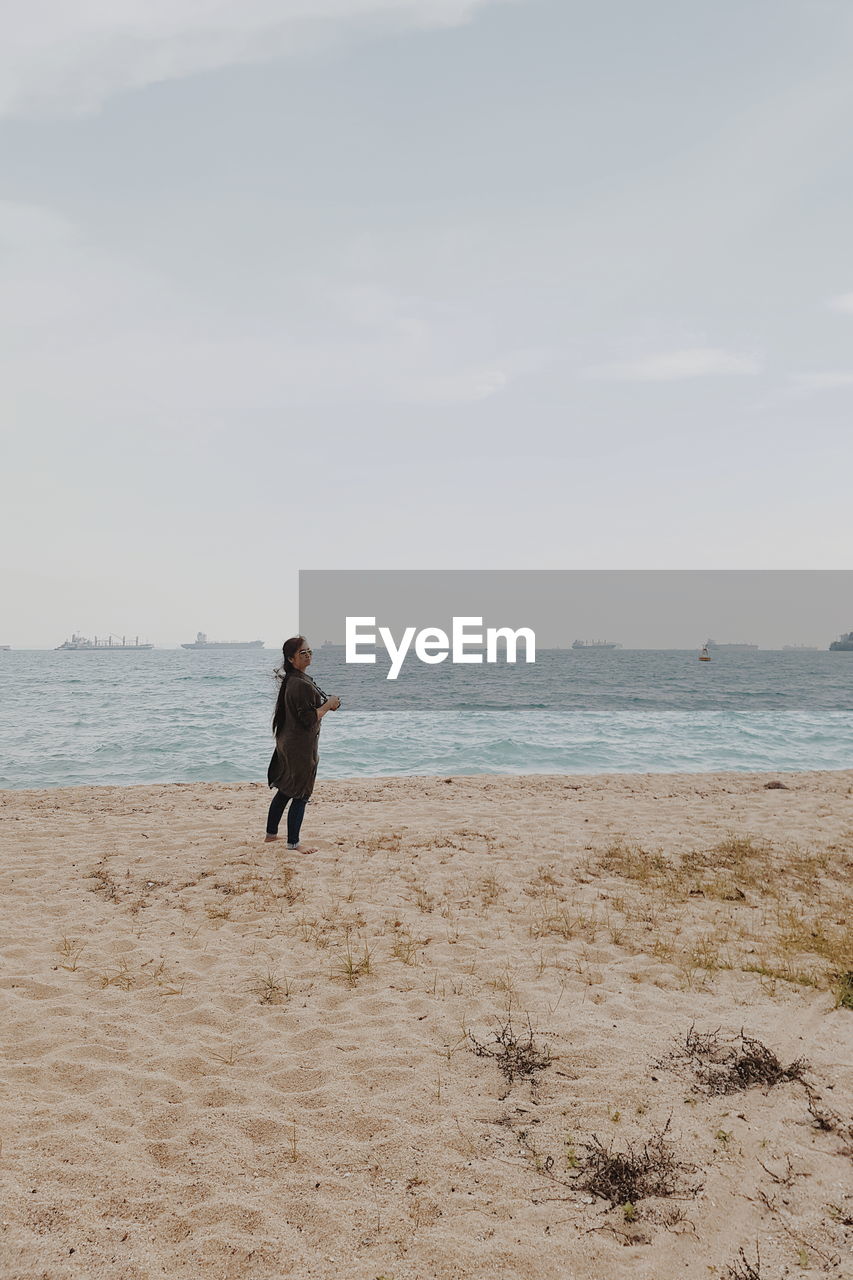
(595, 644)
(201, 642)
(800, 648)
(82, 644)
(741, 645)
(844, 644)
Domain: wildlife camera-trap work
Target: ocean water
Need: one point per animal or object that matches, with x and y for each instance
(68, 719)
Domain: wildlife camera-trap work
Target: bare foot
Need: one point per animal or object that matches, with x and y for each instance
(267, 839)
(300, 848)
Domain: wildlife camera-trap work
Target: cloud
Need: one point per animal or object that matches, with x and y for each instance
(673, 366)
(827, 380)
(89, 335)
(842, 302)
(61, 57)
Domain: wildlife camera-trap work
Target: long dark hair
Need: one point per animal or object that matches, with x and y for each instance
(288, 650)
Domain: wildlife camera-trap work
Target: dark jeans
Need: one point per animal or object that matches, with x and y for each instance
(295, 815)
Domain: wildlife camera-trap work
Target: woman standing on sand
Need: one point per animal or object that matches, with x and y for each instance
(299, 708)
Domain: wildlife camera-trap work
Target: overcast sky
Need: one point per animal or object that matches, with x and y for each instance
(414, 283)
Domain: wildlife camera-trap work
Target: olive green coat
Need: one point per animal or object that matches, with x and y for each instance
(293, 768)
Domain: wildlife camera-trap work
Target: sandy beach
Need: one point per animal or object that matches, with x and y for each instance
(556, 1027)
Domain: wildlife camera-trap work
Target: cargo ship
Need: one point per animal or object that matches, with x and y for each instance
(844, 644)
(201, 642)
(741, 647)
(595, 644)
(81, 644)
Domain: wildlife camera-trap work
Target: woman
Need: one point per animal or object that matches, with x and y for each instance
(299, 708)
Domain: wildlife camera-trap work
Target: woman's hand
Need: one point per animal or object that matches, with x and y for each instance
(334, 702)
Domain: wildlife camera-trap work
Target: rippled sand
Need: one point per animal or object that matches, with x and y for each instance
(222, 1059)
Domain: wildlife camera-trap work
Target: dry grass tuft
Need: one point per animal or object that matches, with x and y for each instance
(727, 870)
(104, 882)
(843, 990)
(310, 929)
(269, 988)
(742, 1268)
(517, 1055)
(351, 967)
(504, 981)
(406, 947)
(631, 862)
(70, 949)
(638, 1172)
(123, 978)
(555, 919)
(826, 1119)
(761, 929)
(490, 889)
(157, 979)
(736, 850)
(264, 891)
(724, 1066)
(423, 899)
(233, 1055)
(382, 842)
(798, 935)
